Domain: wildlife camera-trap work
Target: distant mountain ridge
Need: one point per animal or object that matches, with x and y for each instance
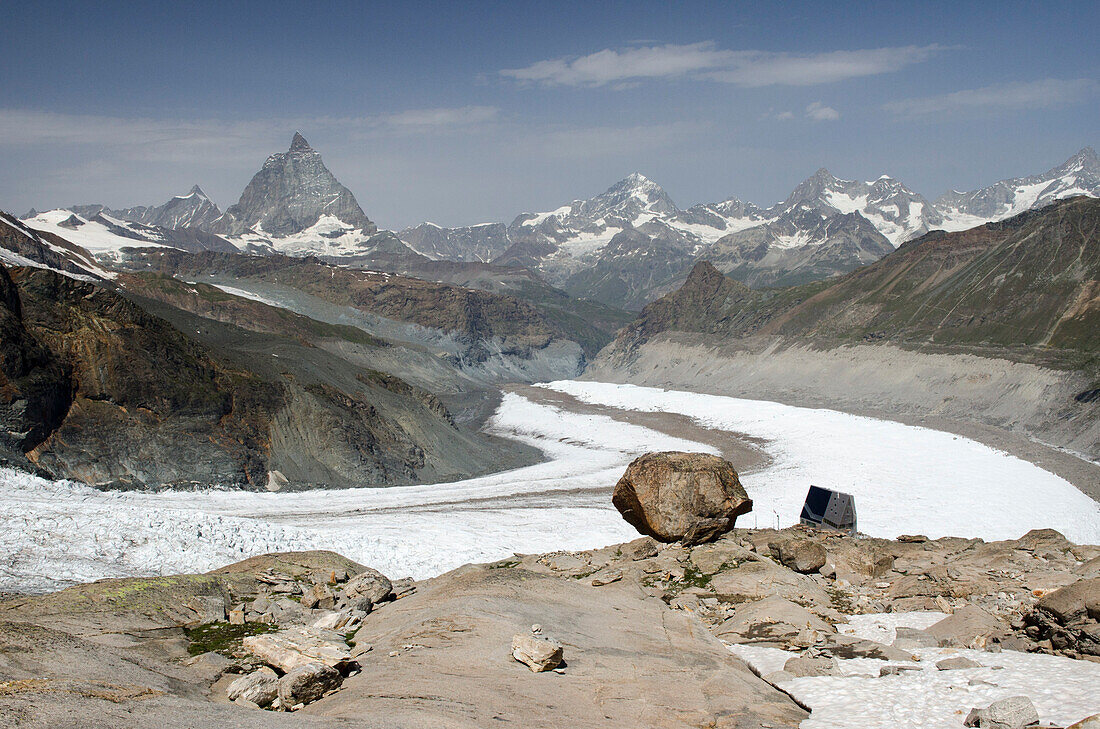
(623, 248)
(825, 227)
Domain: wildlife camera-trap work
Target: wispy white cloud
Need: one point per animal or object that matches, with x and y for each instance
(463, 116)
(707, 61)
(819, 112)
(1040, 94)
(785, 115)
(172, 139)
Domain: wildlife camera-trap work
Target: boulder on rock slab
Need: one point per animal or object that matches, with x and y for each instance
(260, 687)
(1015, 712)
(307, 683)
(537, 652)
(288, 649)
(1089, 722)
(800, 555)
(370, 584)
(676, 496)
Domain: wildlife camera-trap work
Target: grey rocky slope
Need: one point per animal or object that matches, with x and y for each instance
(631, 244)
(147, 382)
(644, 628)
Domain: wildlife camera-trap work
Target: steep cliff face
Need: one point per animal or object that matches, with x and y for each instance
(98, 389)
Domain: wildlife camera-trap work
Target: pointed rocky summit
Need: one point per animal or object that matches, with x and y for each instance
(289, 194)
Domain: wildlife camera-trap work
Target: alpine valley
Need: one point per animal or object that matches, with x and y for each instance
(287, 342)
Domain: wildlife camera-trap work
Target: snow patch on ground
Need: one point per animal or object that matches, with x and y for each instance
(1063, 690)
(906, 479)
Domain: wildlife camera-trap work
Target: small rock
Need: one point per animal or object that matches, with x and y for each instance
(642, 549)
(319, 596)
(536, 628)
(912, 539)
(1091, 722)
(803, 666)
(1011, 713)
(537, 653)
(307, 683)
(261, 687)
(210, 608)
(893, 670)
(236, 617)
(956, 663)
(607, 578)
(910, 639)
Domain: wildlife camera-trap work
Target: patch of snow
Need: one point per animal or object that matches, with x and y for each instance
(1063, 690)
(233, 291)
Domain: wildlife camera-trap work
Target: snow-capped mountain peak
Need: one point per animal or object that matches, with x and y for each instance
(1078, 175)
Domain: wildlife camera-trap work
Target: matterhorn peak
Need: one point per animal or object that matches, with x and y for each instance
(299, 143)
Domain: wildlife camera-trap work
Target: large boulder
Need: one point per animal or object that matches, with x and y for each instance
(306, 683)
(675, 496)
(293, 647)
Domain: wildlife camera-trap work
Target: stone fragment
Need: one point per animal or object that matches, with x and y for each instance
(260, 687)
(675, 496)
(606, 578)
(236, 617)
(641, 549)
(1011, 713)
(800, 666)
(956, 662)
(306, 683)
(320, 596)
(894, 670)
(1089, 722)
(538, 653)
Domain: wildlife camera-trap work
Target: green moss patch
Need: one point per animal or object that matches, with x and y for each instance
(222, 637)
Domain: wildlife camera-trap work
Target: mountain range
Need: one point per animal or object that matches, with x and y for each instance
(622, 248)
(631, 243)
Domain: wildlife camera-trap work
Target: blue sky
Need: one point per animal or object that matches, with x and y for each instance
(468, 112)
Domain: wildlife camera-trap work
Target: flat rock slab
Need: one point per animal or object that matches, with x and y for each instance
(442, 658)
